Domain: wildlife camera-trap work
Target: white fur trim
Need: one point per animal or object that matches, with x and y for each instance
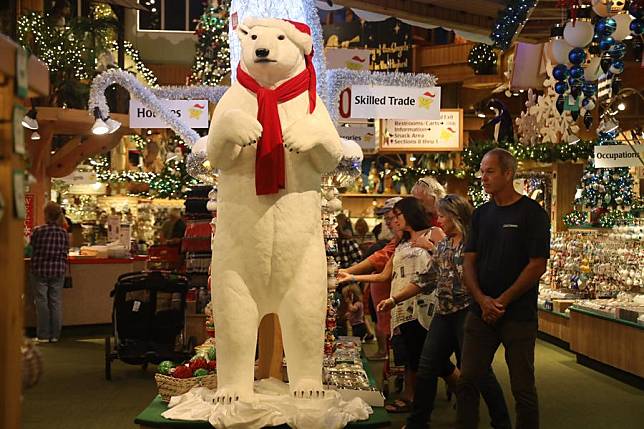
(302, 40)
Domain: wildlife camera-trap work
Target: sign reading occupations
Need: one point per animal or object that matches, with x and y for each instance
(192, 112)
(621, 155)
(442, 134)
(395, 102)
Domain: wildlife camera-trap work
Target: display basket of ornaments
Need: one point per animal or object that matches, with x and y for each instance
(176, 379)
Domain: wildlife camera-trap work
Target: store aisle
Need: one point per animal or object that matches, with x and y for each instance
(73, 393)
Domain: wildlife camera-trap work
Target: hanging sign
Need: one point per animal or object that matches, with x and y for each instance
(621, 155)
(364, 135)
(444, 134)
(192, 112)
(29, 214)
(395, 102)
(352, 59)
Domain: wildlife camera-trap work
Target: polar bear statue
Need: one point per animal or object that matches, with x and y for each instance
(271, 139)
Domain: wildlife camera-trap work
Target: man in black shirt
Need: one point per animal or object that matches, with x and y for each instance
(504, 258)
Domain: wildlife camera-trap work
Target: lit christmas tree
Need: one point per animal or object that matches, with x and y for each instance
(607, 189)
(482, 59)
(212, 61)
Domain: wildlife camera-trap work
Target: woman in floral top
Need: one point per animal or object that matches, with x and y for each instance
(444, 274)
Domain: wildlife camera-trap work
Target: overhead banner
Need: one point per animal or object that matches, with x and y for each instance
(192, 112)
(351, 59)
(621, 155)
(364, 135)
(395, 102)
(443, 134)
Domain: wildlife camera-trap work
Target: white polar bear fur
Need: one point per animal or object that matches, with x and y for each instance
(268, 252)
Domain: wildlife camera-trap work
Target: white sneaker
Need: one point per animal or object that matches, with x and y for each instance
(53, 340)
(41, 340)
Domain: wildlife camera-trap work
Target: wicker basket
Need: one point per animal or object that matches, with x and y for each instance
(170, 386)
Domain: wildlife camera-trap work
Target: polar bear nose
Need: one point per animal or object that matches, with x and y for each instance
(262, 53)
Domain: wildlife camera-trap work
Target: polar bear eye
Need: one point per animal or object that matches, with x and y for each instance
(254, 37)
(281, 37)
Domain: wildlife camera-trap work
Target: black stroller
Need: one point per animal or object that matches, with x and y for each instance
(148, 317)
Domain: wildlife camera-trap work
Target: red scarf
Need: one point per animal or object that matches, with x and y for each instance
(269, 164)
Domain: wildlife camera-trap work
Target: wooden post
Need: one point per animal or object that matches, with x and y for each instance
(11, 235)
(271, 349)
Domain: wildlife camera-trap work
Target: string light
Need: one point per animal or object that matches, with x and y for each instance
(212, 61)
(510, 22)
(482, 59)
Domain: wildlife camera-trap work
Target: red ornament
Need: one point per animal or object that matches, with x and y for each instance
(197, 363)
(182, 372)
(212, 365)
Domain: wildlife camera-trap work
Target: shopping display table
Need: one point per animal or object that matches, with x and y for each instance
(151, 418)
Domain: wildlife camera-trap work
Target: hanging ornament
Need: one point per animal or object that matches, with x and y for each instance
(606, 42)
(638, 46)
(576, 72)
(588, 120)
(617, 51)
(558, 46)
(592, 68)
(589, 89)
(560, 104)
(577, 56)
(617, 67)
(636, 10)
(578, 33)
(605, 63)
(560, 72)
(561, 87)
(588, 103)
(574, 114)
(606, 26)
(623, 21)
(637, 27)
(593, 49)
(601, 7)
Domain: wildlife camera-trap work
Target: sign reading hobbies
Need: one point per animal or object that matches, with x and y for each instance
(445, 133)
(621, 155)
(395, 102)
(351, 59)
(192, 112)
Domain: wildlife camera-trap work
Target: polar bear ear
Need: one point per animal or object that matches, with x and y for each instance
(242, 31)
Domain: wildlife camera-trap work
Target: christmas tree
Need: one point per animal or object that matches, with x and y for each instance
(607, 189)
(212, 61)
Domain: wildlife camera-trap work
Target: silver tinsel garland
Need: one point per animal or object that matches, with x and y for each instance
(198, 92)
(197, 166)
(142, 93)
(340, 79)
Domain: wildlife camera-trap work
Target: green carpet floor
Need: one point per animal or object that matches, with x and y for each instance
(73, 393)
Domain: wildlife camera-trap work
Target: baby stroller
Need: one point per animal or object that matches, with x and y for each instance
(148, 317)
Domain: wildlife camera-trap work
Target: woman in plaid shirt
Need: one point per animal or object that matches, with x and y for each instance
(50, 247)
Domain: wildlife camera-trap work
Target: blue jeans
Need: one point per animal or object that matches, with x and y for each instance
(48, 297)
(444, 338)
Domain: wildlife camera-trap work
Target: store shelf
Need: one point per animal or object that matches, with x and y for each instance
(607, 317)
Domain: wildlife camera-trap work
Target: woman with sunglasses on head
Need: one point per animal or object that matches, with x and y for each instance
(411, 318)
(445, 275)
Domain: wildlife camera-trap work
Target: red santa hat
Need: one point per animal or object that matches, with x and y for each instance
(298, 33)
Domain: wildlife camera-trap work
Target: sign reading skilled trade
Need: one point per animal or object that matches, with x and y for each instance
(443, 134)
(192, 112)
(621, 155)
(364, 135)
(395, 102)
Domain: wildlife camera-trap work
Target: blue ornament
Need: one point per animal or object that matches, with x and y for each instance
(560, 104)
(606, 26)
(561, 87)
(637, 27)
(577, 56)
(617, 67)
(589, 89)
(560, 72)
(605, 63)
(635, 10)
(576, 72)
(606, 42)
(617, 51)
(588, 103)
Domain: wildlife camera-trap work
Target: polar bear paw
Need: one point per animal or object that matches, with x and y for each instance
(307, 389)
(227, 396)
(240, 128)
(302, 135)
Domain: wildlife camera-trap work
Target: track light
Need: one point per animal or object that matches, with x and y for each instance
(480, 114)
(621, 106)
(100, 127)
(112, 124)
(29, 120)
(35, 135)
